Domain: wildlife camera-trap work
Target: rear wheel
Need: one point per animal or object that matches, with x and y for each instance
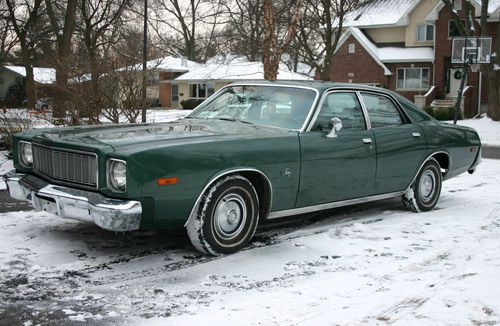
(226, 218)
(423, 194)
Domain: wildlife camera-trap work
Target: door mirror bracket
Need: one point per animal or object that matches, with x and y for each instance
(336, 126)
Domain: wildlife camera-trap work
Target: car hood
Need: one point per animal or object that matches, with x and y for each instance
(152, 135)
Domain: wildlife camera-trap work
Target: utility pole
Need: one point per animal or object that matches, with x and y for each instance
(144, 61)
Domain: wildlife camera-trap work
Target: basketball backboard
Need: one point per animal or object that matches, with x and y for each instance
(477, 49)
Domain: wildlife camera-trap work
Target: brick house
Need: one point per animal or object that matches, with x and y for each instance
(405, 45)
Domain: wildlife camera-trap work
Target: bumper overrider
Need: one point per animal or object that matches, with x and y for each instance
(108, 213)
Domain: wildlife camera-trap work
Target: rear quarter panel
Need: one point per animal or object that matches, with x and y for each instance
(461, 143)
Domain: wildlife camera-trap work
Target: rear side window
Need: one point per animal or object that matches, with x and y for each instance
(344, 106)
(381, 111)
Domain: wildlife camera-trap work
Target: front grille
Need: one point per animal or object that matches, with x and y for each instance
(66, 166)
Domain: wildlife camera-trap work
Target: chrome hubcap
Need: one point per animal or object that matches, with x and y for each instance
(427, 185)
(230, 216)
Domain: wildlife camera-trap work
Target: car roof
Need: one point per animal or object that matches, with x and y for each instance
(321, 86)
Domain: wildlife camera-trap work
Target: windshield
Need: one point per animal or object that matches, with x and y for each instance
(275, 106)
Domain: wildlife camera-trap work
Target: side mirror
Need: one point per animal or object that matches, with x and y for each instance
(336, 126)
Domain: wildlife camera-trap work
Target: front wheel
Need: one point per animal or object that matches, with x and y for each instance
(226, 217)
(424, 193)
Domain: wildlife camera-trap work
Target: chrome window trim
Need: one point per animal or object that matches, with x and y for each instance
(220, 175)
(332, 91)
(305, 123)
(108, 182)
(70, 151)
(19, 158)
(365, 111)
(404, 117)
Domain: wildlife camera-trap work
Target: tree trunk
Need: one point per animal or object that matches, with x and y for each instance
(29, 85)
(64, 36)
(271, 51)
(494, 95)
(94, 107)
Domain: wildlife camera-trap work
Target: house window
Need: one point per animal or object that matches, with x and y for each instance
(457, 4)
(352, 47)
(153, 80)
(201, 91)
(412, 78)
(453, 30)
(175, 93)
(425, 33)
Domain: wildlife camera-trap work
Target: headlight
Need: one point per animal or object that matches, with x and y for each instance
(26, 153)
(118, 174)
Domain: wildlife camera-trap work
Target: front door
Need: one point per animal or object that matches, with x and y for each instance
(341, 167)
(454, 80)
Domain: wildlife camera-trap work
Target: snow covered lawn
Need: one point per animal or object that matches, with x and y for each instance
(488, 130)
(371, 264)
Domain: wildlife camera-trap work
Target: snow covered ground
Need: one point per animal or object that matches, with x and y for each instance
(369, 264)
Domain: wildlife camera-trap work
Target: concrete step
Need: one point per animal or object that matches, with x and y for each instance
(447, 103)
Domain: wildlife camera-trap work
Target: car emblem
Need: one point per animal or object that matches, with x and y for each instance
(286, 172)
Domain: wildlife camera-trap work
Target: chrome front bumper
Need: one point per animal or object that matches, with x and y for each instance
(110, 214)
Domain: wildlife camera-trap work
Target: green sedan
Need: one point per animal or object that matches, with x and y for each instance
(251, 152)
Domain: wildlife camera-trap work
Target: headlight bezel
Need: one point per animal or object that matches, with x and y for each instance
(111, 175)
(22, 159)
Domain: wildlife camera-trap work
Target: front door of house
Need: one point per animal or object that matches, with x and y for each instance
(454, 80)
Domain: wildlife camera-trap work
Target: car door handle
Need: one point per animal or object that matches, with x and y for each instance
(416, 134)
(367, 140)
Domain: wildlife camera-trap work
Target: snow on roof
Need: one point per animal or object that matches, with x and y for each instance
(380, 12)
(40, 75)
(393, 54)
(167, 63)
(388, 54)
(493, 5)
(236, 71)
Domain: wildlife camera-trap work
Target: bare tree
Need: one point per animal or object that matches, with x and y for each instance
(62, 17)
(274, 43)
(183, 20)
(188, 28)
(245, 28)
(8, 38)
(492, 74)
(465, 23)
(320, 29)
(97, 29)
(23, 15)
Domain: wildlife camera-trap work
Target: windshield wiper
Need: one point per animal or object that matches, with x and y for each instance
(235, 120)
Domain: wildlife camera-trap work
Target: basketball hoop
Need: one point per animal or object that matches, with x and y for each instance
(474, 67)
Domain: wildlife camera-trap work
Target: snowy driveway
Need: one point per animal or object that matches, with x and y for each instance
(373, 264)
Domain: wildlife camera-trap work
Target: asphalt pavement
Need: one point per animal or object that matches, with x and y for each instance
(7, 204)
(491, 152)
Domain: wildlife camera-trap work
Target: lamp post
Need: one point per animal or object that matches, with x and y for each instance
(144, 61)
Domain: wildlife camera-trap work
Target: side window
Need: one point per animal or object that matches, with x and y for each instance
(344, 106)
(381, 111)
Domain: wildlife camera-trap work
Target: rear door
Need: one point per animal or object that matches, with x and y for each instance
(401, 145)
(341, 167)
